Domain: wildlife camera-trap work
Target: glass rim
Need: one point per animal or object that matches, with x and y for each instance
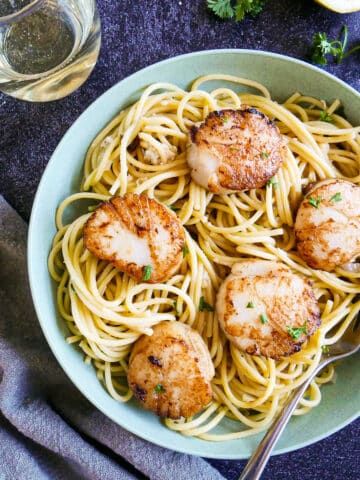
(22, 12)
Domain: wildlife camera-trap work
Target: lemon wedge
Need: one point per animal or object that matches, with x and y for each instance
(341, 6)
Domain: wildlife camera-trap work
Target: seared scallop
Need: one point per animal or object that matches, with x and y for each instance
(327, 226)
(138, 235)
(265, 309)
(170, 371)
(234, 150)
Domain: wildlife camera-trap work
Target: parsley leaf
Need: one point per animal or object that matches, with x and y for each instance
(263, 319)
(263, 155)
(325, 348)
(235, 8)
(314, 202)
(185, 251)
(322, 46)
(336, 198)
(175, 306)
(203, 305)
(250, 305)
(296, 332)
(252, 7)
(325, 117)
(147, 271)
(273, 182)
(174, 209)
(221, 8)
(159, 389)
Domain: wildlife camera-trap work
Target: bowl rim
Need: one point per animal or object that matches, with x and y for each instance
(31, 234)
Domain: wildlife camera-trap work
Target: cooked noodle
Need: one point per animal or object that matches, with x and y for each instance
(143, 150)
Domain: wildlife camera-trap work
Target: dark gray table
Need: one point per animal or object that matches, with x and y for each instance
(134, 35)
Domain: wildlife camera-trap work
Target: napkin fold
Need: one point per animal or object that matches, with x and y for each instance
(48, 430)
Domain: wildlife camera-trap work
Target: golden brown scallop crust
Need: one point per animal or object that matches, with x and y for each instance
(170, 371)
(327, 231)
(247, 143)
(281, 302)
(146, 218)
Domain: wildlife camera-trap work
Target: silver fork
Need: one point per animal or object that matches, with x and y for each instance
(347, 345)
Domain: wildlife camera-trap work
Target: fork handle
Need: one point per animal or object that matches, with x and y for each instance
(260, 457)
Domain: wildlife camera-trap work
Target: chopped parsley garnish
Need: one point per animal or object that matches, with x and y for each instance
(175, 307)
(264, 155)
(185, 251)
(325, 348)
(224, 119)
(250, 305)
(147, 271)
(159, 388)
(325, 117)
(336, 198)
(296, 332)
(234, 149)
(263, 319)
(174, 209)
(273, 182)
(322, 46)
(203, 305)
(314, 202)
(238, 8)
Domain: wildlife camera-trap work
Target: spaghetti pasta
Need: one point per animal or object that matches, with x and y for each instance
(143, 150)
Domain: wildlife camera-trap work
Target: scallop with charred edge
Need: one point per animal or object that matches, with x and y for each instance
(265, 309)
(327, 226)
(170, 371)
(138, 235)
(235, 150)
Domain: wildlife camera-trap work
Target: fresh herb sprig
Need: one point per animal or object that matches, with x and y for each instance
(322, 47)
(226, 9)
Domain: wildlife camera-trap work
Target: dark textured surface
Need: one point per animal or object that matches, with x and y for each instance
(134, 35)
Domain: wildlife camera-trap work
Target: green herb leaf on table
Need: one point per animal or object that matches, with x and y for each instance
(226, 9)
(250, 305)
(323, 47)
(221, 8)
(263, 319)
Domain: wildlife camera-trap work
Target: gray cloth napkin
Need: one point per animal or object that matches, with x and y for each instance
(48, 430)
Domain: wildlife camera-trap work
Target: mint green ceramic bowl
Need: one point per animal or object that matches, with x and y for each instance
(282, 76)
